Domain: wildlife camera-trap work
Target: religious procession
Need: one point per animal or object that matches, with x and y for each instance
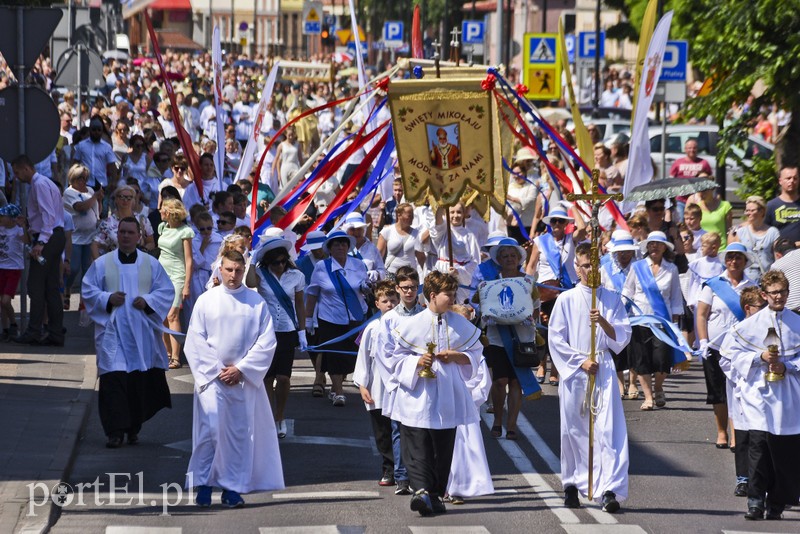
(429, 237)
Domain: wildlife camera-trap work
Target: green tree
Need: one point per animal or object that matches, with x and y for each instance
(740, 44)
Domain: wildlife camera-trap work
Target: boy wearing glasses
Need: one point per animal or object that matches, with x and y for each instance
(768, 406)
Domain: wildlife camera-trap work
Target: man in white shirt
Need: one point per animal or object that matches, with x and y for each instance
(98, 156)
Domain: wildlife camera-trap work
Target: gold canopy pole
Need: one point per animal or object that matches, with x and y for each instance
(595, 199)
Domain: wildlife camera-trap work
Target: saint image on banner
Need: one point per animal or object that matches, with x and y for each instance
(444, 154)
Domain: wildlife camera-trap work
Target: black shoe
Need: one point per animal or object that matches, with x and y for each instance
(610, 503)
(48, 341)
(571, 497)
(421, 502)
(754, 513)
(438, 505)
(387, 479)
(403, 488)
(27, 339)
(741, 489)
(774, 513)
(133, 439)
(114, 442)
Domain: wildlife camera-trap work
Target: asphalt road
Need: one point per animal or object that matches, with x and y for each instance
(679, 481)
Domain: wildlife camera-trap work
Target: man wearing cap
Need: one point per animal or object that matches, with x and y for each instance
(444, 154)
(613, 273)
(96, 154)
(718, 310)
(355, 225)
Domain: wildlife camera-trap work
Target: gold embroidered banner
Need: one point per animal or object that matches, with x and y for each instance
(448, 140)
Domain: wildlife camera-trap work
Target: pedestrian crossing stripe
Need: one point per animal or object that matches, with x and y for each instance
(543, 50)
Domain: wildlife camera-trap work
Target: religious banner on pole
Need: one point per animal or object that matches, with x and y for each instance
(448, 139)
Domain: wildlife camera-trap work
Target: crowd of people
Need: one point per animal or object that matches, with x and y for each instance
(156, 258)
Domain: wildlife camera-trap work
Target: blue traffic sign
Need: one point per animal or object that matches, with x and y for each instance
(569, 41)
(393, 31)
(543, 50)
(351, 47)
(312, 27)
(587, 45)
(676, 57)
(473, 31)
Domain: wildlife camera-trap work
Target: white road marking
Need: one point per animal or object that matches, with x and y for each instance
(549, 496)
(188, 378)
(327, 495)
(505, 491)
(320, 529)
(554, 463)
(143, 530)
(184, 445)
(603, 529)
(325, 440)
(449, 530)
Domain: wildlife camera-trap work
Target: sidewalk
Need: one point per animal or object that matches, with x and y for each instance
(45, 393)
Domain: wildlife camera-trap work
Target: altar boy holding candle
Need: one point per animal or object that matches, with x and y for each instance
(430, 409)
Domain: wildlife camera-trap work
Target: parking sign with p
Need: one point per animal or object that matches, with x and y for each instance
(472, 31)
(393, 34)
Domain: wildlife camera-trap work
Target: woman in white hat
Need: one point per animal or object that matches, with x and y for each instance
(622, 251)
(552, 261)
(335, 301)
(281, 284)
(654, 287)
(509, 257)
(356, 226)
(466, 251)
(718, 311)
(399, 243)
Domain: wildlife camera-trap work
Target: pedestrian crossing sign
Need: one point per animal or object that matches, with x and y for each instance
(541, 71)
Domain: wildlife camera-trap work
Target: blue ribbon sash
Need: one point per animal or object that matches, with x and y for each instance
(553, 256)
(530, 387)
(283, 299)
(349, 297)
(721, 288)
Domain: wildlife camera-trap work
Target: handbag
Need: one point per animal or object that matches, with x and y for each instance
(526, 353)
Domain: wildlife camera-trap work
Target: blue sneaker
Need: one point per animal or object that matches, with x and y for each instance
(203, 498)
(232, 499)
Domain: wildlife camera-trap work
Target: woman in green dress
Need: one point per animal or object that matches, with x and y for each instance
(175, 243)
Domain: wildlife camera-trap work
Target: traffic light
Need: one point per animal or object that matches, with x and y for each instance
(327, 35)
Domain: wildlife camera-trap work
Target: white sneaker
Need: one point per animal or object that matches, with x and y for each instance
(281, 429)
(339, 400)
(331, 395)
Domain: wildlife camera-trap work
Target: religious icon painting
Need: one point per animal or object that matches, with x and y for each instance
(445, 146)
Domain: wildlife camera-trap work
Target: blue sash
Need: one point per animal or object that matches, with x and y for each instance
(306, 266)
(283, 299)
(349, 297)
(489, 270)
(650, 288)
(553, 256)
(617, 279)
(530, 387)
(721, 288)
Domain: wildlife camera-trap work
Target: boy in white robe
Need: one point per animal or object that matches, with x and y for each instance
(769, 408)
(229, 347)
(430, 409)
(569, 339)
(128, 294)
(367, 378)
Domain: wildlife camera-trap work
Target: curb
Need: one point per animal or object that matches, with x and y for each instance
(65, 454)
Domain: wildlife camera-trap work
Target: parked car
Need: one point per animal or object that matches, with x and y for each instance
(707, 136)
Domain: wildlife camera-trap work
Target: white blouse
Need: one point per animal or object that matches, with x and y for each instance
(292, 281)
(330, 306)
(668, 285)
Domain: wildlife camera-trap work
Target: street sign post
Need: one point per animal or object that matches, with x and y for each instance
(393, 34)
(473, 35)
(674, 65)
(587, 45)
(312, 18)
(541, 71)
